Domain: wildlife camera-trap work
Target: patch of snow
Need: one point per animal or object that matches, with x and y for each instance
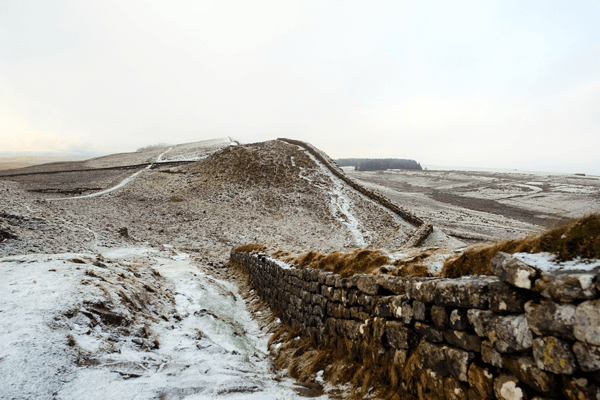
(159, 158)
(215, 350)
(127, 252)
(341, 202)
(319, 377)
(547, 262)
(282, 264)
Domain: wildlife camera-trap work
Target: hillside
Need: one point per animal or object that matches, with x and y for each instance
(137, 306)
(115, 271)
(270, 192)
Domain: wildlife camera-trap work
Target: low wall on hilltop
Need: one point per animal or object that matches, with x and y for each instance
(417, 238)
(521, 334)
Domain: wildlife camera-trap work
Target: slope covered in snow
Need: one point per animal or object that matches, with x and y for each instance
(134, 323)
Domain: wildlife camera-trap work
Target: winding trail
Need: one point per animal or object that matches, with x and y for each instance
(120, 185)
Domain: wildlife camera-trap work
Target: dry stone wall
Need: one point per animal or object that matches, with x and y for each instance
(416, 239)
(521, 334)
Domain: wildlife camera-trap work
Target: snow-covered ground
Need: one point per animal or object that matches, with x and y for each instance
(547, 262)
(134, 323)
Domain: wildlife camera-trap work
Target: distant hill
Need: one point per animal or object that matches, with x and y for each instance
(378, 164)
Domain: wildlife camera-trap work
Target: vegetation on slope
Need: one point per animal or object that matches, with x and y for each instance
(576, 238)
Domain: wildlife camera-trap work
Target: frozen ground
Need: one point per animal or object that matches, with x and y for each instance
(134, 323)
(487, 205)
(92, 310)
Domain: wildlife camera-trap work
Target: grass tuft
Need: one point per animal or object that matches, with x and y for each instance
(344, 263)
(576, 238)
(253, 247)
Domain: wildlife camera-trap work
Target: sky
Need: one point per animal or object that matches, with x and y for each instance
(497, 84)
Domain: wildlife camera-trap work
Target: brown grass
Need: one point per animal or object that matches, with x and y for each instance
(302, 358)
(249, 248)
(413, 267)
(576, 238)
(344, 263)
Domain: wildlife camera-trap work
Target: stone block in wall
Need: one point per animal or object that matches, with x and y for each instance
(567, 285)
(392, 284)
(429, 332)
(403, 309)
(366, 301)
(454, 389)
(347, 313)
(340, 282)
(545, 317)
(458, 362)
(352, 297)
(312, 274)
(397, 334)
(306, 297)
(316, 298)
(314, 287)
(366, 283)
(330, 279)
(481, 379)
(588, 356)
(513, 271)
(317, 310)
(463, 340)
(554, 355)
(439, 316)
(421, 289)
(338, 295)
(384, 307)
(480, 319)
(335, 310)
(587, 322)
(508, 387)
(510, 333)
(459, 320)
(464, 292)
(322, 279)
(359, 313)
(490, 355)
(505, 298)
(525, 368)
(580, 389)
(420, 311)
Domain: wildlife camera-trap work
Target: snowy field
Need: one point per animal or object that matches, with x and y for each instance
(133, 323)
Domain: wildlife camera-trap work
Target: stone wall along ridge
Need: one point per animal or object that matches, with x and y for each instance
(520, 334)
(420, 234)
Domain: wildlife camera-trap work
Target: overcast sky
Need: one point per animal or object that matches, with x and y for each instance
(501, 84)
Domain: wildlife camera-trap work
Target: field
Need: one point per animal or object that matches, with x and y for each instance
(28, 161)
(480, 206)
